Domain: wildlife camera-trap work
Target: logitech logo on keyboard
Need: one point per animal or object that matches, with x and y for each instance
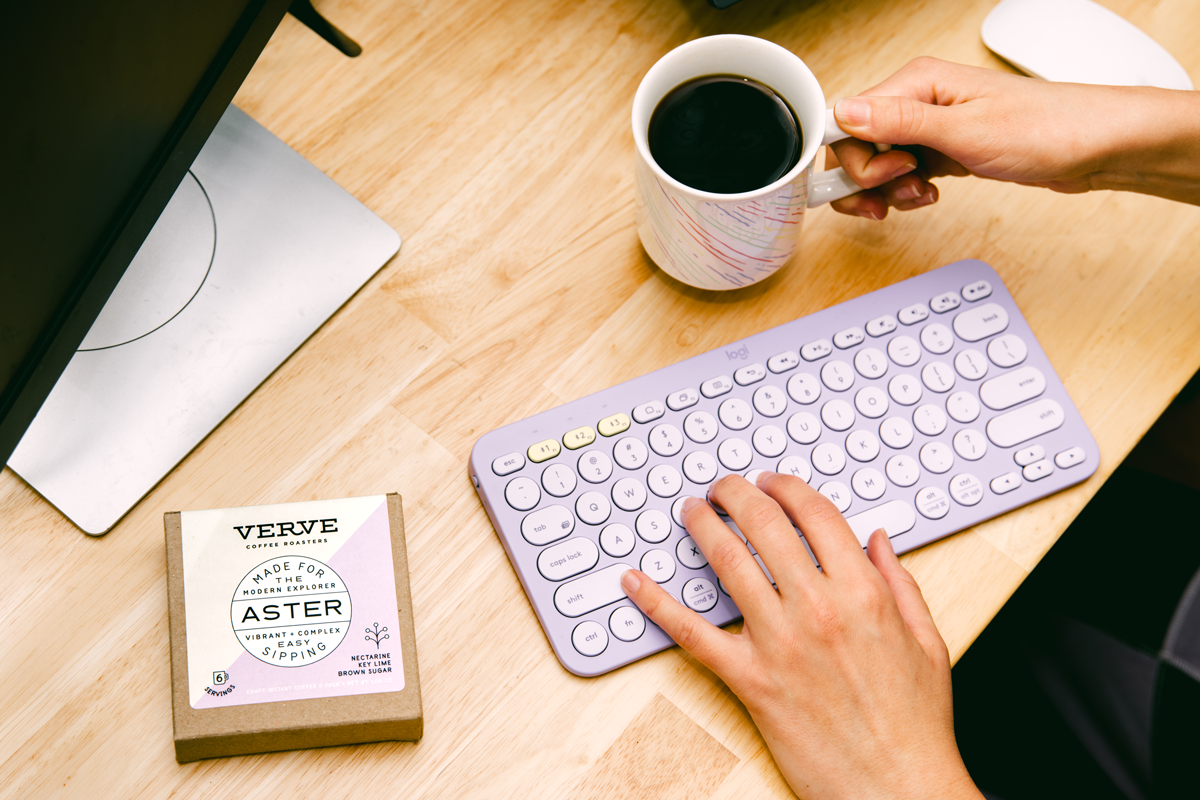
(742, 352)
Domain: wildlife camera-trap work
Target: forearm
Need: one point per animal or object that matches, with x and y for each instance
(1154, 146)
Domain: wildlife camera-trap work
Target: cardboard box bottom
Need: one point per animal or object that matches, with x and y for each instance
(219, 746)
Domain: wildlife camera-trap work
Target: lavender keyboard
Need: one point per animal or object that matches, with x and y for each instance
(922, 408)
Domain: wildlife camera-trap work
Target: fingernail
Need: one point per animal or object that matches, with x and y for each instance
(690, 502)
(868, 214)
(908, 192)
(762, 476)
(907, 168)
(924, 199)
(629, 581)
(854, 111)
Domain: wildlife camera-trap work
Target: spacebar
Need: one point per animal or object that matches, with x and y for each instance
(590, 592)
(895, 517)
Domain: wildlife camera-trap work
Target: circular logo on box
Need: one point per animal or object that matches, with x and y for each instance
(291, 611)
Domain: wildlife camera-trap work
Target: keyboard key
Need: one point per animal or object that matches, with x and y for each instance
(837, 375)
(937, 457)
(862, 445)
(944, 302)
(1069, 458)
(595, 466)
(966, 489)
(838, 493)
(904, 351)
(570, 558)
(629, 494)
(896, 432)
(929, 420)
(976, 291)
(544, 451)
(659, 565)
(735, 454)
(1012, 388)
(699, 594)
(828, 458)
(580, 437)
(589, 638)
(1037, 470)
(932, 502)
(769, 401)
(784, 361)
(700, 427)
(627, 624)
(803, 388)
(592, 508)
(752, 373)
(870, 363)
(700, 467)
(508, 464)
(913, 314)
(937, 338)
(594, 590)
(905, 389)
(611, 426)
(547, 525)
(1025, 423)
(980, 322)
(871, 402)
(796, 466)
(558, 480)
(666, 440)
(848, 338)
(837, 415)
(617, 540)
(1007, 350)
(682, 399)
(881, 326)
(677, 510)
(814, 351)
(971, 364)
(1027, 455)
(735, 414)
(962, 407)
(715, 387)
(653, 526)
(1006, 483)
(895, 517)
(648, 412)
(902, 470)
(630, 453)
(689, 554)
(803, 427)
(522, 493)
(664, 480)
(770, 441)
(969, 444)
(937, 376)
(868, 484)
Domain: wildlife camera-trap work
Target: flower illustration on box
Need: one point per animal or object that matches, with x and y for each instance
(376, 634)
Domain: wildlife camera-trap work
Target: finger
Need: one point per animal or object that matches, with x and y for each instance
(712, 647)
(767, 527)
(909, 599)
(729, 557)
(909, 192)
(869, 204)
(869, 168)
(824, 528)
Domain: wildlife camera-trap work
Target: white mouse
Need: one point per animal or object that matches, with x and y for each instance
(1079, 41)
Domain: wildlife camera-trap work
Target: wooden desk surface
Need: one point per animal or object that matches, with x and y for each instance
(494, 136)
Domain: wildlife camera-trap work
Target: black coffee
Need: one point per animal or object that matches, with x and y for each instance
(724, 134)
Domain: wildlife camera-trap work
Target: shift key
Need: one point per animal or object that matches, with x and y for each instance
(592, 591)
(1025, 423)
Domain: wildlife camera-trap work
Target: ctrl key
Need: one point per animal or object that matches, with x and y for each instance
(589, 638)
(700, 594)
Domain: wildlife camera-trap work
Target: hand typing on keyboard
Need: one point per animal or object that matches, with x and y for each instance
(842, 668)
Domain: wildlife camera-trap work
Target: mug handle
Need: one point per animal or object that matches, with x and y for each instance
(833, 184)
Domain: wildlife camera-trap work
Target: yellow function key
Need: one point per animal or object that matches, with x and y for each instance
(580, 437)
(544, 450)
(611, 426)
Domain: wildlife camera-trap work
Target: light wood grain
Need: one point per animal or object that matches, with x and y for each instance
(494, 136)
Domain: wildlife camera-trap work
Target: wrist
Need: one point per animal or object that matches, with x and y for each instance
(1152, 145)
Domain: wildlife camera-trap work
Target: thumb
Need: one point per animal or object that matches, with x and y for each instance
(897, 120)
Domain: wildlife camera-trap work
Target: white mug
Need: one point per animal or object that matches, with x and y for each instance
(726, 241)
